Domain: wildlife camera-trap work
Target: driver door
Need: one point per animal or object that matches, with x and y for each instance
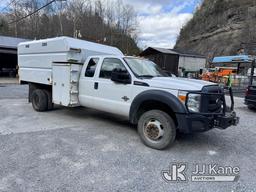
(110, 96)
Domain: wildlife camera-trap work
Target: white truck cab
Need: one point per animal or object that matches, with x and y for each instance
(100, 90)
(129, 86)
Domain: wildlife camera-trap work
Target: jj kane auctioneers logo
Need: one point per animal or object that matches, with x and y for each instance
(177, 172)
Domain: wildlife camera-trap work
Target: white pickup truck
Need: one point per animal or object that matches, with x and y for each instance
(71, 72)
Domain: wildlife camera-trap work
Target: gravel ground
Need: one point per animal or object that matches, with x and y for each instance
(13, 91)
(86, 150)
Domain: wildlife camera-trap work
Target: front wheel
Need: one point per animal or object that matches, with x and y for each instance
(157, 129)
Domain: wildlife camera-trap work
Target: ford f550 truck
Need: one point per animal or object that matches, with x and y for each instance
(71, 73)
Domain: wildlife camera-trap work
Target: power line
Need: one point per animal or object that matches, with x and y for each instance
(24, 17)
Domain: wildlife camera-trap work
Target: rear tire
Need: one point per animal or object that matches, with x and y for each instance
(157, 129)
(49, 100)
(39, 100)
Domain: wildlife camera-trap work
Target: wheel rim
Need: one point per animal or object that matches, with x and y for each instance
(153, 130)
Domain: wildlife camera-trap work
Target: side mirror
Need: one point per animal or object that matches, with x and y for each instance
(120, 76)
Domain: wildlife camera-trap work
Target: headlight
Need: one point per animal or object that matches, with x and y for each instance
(193, 102)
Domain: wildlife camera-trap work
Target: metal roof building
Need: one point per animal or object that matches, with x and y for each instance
(171, 60)
(9, 44)
(8, 54)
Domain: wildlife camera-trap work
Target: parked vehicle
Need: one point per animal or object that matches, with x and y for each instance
(250, 96)
(10, 72)
(71, 72)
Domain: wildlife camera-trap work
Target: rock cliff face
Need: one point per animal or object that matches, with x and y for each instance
(220, 27)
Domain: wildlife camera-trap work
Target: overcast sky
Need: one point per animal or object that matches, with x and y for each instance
(161, 20)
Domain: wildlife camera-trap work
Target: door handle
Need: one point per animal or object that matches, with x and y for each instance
(96, 85)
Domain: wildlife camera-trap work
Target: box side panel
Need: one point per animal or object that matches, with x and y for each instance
(40, 60)
(36, 75)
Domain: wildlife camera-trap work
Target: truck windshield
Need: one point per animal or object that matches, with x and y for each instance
(143, 68)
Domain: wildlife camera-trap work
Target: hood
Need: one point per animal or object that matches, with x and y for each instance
(177, 83)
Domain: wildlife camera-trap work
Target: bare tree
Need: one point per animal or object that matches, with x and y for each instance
(110, 22)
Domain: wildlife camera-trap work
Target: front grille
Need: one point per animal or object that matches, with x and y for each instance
(212, 99)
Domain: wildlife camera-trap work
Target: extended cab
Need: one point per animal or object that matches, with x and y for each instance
(129, 86)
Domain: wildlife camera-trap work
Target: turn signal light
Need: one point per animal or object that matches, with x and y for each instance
(182, 98)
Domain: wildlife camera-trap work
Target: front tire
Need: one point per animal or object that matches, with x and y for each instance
(39, 100)
(157, 129)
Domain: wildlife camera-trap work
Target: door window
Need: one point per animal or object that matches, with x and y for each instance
(108, 65)
(90, 70)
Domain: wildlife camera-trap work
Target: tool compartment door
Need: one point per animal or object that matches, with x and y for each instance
(61, 84)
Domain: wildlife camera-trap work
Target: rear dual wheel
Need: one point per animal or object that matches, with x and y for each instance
(41, 100)
(157, 129)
